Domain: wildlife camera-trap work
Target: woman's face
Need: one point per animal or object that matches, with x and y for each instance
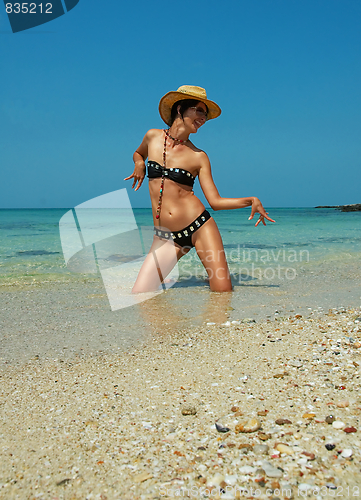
(195, 117)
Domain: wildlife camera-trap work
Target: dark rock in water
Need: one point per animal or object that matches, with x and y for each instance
(355, 207)
(328, 206)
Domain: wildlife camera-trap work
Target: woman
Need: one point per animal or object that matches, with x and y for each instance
(180, 219)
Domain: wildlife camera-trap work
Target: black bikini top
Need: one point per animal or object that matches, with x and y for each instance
(174, 174)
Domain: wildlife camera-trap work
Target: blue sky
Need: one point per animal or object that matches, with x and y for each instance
(78, 94)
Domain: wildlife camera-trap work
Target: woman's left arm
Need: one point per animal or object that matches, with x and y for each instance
(216, 202)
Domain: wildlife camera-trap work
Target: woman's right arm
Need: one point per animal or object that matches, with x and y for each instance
(139, 157)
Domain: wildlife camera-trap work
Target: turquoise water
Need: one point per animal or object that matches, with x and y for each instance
(303, 239)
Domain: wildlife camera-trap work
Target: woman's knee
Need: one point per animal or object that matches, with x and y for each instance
(219, 279)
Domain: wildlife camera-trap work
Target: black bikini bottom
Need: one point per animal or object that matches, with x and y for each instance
(183, 238)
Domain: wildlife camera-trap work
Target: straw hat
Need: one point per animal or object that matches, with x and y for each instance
(187, 92)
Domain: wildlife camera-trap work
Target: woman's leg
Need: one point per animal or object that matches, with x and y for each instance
(209, 247)
(161, 259)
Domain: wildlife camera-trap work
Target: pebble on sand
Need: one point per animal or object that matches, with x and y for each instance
(250, 425)
(189, 410)
(330, 446)
(283, 448)
(309, 416)
(263, 436)
(330, 419)
(337, 424)
(282, 421)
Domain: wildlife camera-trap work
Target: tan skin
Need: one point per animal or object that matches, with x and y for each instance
(180, 206)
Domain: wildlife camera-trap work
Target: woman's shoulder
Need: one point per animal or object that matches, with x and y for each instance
(153, 133)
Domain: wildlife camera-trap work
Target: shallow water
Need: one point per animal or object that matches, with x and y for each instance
(309, 253)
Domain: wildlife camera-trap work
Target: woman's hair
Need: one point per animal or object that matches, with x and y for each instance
(184, 105)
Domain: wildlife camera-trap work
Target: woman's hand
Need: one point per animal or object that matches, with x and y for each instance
(138, 174)
(258, 207)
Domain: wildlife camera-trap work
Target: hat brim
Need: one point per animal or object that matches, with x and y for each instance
(167, 101)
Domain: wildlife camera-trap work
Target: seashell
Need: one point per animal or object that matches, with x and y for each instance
(250, 425)
(346, 453)
(220, 428)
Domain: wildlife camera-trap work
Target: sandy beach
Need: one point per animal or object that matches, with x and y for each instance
(117, 417)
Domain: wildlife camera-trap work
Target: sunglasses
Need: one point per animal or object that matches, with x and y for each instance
(200, 112)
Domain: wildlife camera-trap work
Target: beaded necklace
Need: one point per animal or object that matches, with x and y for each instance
(180, 141)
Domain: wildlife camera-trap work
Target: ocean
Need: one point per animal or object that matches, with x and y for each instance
(304, 242)
(308, 252)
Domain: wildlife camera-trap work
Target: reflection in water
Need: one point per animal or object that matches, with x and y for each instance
(173, 311)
